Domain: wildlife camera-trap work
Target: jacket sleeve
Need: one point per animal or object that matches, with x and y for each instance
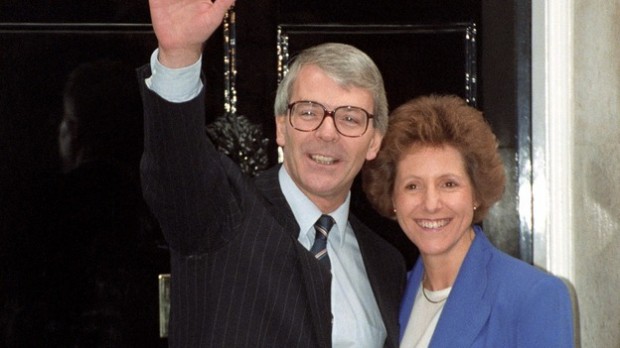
(183, 176)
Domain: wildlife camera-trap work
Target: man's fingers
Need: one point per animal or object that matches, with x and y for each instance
(221, 6)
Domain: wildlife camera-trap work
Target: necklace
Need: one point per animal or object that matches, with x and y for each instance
(426, 296)
(431, 301)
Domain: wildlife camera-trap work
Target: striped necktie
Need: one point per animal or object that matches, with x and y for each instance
(323, 225)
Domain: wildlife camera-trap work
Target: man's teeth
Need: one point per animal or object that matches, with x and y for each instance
(323, 159)
(433, 224)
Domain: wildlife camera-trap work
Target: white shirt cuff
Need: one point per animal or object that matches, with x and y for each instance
(174, 85)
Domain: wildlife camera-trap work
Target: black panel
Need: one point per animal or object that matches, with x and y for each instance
(35, 63)
(414, 59)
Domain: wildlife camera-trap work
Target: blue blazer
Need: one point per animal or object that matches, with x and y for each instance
(497, 301)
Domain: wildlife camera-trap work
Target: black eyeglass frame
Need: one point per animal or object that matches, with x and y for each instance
(330, 113)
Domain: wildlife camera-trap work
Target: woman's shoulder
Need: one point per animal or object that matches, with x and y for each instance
(511, 274)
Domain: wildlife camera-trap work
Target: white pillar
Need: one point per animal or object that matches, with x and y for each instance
(552, 135)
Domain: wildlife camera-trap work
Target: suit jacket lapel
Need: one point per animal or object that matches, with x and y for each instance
(317, 279)
(269, 186)
(466, 310)
(382, 288)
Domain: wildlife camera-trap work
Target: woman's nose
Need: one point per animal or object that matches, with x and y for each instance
(432, 199)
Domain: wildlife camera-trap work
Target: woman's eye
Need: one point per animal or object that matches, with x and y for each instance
(410, 187)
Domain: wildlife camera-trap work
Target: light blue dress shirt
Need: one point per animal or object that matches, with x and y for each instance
(357, 320)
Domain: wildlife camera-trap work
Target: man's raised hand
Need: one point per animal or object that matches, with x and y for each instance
(182, 26)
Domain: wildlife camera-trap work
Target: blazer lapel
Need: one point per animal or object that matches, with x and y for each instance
(268, 185)
(466, 310)
(317, 278)
(382, 288)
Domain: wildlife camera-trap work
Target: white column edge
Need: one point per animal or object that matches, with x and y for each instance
(552, 135)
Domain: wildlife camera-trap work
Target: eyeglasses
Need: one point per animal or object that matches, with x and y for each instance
(308, 116)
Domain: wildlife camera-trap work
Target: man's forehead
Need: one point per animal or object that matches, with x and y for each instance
(310, 84)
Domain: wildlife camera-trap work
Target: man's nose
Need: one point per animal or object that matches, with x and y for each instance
(327, 130)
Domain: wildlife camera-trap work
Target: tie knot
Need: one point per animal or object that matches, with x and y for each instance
(324, 224)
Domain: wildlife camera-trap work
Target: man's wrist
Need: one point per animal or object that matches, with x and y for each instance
(179, 58)
(175, 84)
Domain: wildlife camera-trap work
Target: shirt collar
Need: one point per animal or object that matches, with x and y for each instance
(307, 213)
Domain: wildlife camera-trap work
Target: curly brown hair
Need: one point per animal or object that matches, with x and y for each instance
(436, 121)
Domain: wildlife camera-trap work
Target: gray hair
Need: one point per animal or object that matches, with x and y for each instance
(348, 66)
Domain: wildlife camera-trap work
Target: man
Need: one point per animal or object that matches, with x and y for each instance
(244, 269)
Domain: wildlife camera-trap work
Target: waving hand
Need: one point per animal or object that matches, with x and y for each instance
(182, 26)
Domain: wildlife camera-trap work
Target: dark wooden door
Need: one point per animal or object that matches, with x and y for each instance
(478, 49)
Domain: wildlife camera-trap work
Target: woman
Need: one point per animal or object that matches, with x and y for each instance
(438, 173)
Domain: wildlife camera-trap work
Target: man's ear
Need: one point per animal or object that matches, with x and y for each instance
(281, 130)
(374, 146)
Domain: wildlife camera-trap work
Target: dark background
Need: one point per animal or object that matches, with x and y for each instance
(41, 41)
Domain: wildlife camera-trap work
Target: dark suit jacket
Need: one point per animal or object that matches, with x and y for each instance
(498, 301)
(239, 276)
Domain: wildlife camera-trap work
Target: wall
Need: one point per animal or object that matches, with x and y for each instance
(596, 168)
(576, 147)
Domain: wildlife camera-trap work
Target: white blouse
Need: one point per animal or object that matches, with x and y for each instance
(424, 317)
